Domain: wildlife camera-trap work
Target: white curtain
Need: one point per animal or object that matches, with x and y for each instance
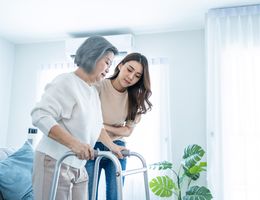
(233, 102)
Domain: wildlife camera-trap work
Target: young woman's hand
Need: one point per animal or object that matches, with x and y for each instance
(116, 149)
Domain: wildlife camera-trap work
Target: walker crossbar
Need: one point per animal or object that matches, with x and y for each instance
(133, 171)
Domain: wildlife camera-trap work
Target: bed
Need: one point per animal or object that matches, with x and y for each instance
(16, 173)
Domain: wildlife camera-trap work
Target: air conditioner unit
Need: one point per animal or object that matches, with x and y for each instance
(124, 43)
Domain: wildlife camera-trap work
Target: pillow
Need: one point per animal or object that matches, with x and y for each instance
(5, 152)
(1, 196)
(16, 174)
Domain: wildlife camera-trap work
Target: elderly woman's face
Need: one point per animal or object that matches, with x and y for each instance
(102, 66)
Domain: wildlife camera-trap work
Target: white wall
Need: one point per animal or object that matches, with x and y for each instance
(29, 58)
(7, 58)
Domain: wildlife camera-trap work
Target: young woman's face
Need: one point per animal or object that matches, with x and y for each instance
(102, 66)
(130, 73)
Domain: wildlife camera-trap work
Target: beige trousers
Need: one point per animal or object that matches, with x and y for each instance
(72, 182)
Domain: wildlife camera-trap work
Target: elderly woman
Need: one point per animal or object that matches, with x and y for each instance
(69, 114)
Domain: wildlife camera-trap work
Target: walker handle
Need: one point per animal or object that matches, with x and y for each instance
(125, 153)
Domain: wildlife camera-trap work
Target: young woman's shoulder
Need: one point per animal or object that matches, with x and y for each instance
(101, 85)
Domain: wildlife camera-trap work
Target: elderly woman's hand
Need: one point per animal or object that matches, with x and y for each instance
(83, 151)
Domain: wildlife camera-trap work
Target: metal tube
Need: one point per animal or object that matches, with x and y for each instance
(133, 171)
(95, 178)
(119, 182)
(145, 173)
(55, 179)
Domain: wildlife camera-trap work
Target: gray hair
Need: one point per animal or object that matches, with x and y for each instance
(93, 49)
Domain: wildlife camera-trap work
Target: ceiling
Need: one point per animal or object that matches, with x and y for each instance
(26, 21)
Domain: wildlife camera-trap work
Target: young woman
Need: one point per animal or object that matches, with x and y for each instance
(124, 97)
(69, 114)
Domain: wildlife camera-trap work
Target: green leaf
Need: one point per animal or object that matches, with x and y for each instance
(192, 155)
(198, 193)
(196, 169)
(161, 165)
(194, 177)
(203, 164)
(162, 186)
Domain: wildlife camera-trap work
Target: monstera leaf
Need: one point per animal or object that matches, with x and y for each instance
(161, 165)
(194, 177)
(191, 161)
(162, 186)
(192, 155)
(198, 168)
(198, 193)
(194, 172)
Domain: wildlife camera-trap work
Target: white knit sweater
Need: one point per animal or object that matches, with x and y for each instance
(74, 105)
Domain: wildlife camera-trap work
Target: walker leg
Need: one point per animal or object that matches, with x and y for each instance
(145, 175)
(114, 159)
(141, 170)
(95, 178)
(55, 179)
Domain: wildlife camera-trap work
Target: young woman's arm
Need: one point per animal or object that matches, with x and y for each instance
(122, 131)
(119, 131)
(108, 142)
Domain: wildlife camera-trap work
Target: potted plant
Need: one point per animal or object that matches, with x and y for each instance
(182, 183)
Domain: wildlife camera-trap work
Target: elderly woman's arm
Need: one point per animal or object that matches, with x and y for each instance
(51, 109)
(61, 135)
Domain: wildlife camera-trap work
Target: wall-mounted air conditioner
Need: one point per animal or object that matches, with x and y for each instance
(124, 43)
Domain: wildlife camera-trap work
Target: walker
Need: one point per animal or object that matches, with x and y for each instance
(119, 173)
